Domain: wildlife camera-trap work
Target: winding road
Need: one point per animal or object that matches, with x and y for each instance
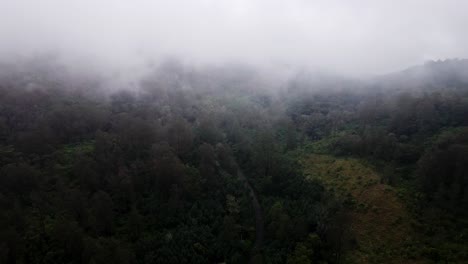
(259, 223)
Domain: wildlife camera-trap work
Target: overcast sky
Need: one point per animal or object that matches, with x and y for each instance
(353, 37)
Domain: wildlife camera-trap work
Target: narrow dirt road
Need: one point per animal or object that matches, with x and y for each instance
(259, 224)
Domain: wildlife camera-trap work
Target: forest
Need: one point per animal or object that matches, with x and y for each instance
(226, 164)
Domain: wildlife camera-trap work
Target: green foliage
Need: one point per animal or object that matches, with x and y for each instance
(132, 180)
(167, 174)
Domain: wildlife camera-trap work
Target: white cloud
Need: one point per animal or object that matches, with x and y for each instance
(361, 36)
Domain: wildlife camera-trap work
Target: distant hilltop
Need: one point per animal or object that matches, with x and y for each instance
(449, 74)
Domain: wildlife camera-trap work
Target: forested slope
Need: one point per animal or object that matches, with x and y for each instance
(91, 175)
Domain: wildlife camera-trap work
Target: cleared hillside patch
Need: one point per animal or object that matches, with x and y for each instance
(379, 222)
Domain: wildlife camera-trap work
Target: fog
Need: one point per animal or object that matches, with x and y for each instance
(349, 37)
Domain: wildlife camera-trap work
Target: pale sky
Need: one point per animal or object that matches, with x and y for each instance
(349, 36)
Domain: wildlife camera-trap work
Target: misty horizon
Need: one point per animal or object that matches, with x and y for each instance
(357, 39)
(233, 131)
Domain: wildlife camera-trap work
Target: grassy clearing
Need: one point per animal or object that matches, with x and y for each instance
(379, 221)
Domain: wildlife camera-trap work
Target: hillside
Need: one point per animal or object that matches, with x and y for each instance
(222, 164)
(379, 227)
(431, 76)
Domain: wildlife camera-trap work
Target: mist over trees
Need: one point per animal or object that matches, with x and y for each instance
(166, 173)
(247, 131)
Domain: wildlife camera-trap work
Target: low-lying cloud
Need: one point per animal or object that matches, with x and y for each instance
(352, 37)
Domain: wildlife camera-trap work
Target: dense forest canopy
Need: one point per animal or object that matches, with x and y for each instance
(209, 165)
(220, 131)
